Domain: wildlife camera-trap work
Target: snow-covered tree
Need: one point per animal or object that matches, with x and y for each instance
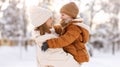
(104, 23)
(13, 22)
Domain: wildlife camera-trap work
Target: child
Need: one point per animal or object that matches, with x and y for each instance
(42, 19)
(74, 35)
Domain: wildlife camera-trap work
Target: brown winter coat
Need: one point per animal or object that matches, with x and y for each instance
(73, 40)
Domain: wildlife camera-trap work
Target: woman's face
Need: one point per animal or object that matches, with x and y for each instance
(49, 22)
(65, 16)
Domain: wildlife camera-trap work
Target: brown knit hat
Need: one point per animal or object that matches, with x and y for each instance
(70, 9)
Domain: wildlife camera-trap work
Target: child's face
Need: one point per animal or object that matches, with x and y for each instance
(65, 16)
(49, 22)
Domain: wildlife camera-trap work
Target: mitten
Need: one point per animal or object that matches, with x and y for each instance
(44, 46)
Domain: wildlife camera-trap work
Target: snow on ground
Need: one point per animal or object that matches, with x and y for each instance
(101, 59)
(19, 57)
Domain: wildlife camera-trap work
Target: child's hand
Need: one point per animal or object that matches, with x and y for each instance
(58, 29)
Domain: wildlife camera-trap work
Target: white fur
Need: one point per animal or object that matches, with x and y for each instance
(83, 26)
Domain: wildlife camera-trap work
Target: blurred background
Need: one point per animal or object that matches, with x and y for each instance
(17, 48)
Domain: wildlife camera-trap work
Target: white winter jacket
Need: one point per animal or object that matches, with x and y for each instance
(52, 57)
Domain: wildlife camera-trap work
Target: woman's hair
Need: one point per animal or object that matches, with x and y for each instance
(43, 29)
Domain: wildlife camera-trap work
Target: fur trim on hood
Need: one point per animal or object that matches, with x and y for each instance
(82, 24)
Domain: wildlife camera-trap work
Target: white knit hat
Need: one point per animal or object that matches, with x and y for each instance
(39, 15)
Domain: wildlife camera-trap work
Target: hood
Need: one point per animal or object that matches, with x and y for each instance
(81, 24)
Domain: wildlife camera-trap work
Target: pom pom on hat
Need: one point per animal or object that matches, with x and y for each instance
(38, 15)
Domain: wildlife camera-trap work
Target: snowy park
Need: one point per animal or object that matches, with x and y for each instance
(18, 48)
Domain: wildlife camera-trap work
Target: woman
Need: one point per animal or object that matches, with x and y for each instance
(54, 57)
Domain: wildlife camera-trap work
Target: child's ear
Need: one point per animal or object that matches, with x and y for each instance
(58, 29)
